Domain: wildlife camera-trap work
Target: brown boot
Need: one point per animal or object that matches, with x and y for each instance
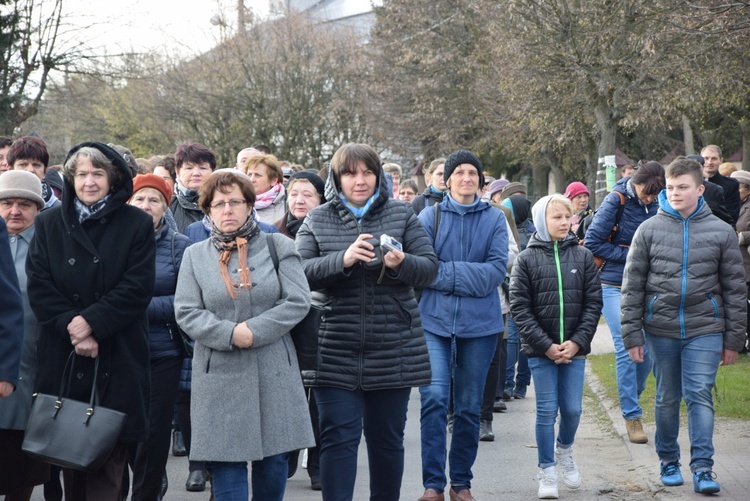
(462, 495)
(432, 495)
(635, 431)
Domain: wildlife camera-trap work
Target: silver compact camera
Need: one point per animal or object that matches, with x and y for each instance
(390, 243)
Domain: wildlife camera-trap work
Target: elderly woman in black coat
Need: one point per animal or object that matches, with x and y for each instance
(91, 273)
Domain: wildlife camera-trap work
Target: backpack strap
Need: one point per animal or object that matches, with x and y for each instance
(272, 251)
(437, 222)
(618, 216)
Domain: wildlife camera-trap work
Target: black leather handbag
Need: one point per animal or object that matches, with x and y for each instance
(70, 433)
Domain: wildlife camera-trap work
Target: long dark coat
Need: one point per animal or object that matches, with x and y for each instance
(104, 270)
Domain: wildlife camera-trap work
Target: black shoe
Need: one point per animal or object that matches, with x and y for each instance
(293, 459)
(164, 485)
(178, 444)
(499, 406)
(196, 481)
(485, 431)
(507, 395)
(315, 482)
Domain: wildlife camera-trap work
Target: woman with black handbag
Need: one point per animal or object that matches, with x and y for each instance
(166, 349)
(91, 272)
(248, 403)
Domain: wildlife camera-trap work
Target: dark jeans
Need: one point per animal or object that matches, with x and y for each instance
(344, 415)
(494, 373)
(268, 478)
(150, 457)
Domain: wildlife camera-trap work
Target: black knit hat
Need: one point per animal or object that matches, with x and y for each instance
(315, 179)
(462, 157)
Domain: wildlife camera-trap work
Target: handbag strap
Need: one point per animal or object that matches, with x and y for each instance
(272, 251)
(64, 389)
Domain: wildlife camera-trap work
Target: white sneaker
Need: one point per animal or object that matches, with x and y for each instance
(570, 474)
(547, 484)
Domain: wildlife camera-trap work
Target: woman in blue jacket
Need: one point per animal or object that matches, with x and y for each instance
(639, 193)
(462, 318)
(149, 458)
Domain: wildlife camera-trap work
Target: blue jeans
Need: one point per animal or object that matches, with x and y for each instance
(556, 387)
(343, 415)
(631, 377)
(685, 368)
(466, 360)
(515, 355)
(268, 478)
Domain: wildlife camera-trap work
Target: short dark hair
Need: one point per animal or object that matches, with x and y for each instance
(194, 153)
(650, 176)
(263, 149)
(28, 148)
(167, 161)
(223, 182)
(681, 166)
(5, 141)
(347, 157)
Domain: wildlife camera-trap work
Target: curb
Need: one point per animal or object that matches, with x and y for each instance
(643, 455)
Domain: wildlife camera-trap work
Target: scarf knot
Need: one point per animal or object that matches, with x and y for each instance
(226, 243)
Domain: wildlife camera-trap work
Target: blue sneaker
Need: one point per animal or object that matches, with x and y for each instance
(704, 483)
(520, 392)
(670, 474)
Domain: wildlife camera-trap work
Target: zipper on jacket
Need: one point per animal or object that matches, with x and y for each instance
(651, 306)
(461, 240)
(560, 293)
(362, 317)
(169, 328)
(716, 306)
(683, 291)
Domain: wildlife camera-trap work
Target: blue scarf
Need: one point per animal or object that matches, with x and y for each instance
(359, 212)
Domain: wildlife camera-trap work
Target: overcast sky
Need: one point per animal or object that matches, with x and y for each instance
(142, 25)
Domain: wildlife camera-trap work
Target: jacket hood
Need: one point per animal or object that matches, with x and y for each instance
(538, 215)
(332, 191)
(521, 207)
(665, 207)
(120, 194)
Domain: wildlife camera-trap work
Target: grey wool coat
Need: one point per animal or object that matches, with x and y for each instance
(247, 404)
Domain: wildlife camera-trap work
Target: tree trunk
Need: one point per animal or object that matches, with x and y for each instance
(540, 180)
(745, 128)
(607, 125)
(687, 136)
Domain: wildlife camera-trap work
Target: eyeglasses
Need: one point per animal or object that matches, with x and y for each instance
(233, 204)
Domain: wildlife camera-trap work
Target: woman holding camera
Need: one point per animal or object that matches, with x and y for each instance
(371, 349)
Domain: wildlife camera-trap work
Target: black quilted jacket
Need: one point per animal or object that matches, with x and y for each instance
(535, 296)
(371, 334)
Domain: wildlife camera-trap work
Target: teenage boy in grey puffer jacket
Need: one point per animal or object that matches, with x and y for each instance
(683, 295)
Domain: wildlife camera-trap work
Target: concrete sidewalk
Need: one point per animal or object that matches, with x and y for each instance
(731, 443)
(611, 467)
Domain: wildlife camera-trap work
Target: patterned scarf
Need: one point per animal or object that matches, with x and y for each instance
(359, 212)
(187, 198)
(225, 243)
(48, 195)
(265, 199)
(84, 212)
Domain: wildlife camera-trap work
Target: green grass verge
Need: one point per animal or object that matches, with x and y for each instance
(731, 394)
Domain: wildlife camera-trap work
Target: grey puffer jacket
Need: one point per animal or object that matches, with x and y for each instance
(684, 278)
(371, 334)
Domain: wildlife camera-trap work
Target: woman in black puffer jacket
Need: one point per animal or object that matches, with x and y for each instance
(556, 300)
(166, 351)
(371, 347)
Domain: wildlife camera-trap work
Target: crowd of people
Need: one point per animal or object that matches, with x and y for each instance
(183, 283)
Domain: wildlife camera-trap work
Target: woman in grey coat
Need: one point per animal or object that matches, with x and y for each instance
(248, 402)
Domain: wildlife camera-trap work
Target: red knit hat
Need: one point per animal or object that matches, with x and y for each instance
(152, 181)
(576, 188)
